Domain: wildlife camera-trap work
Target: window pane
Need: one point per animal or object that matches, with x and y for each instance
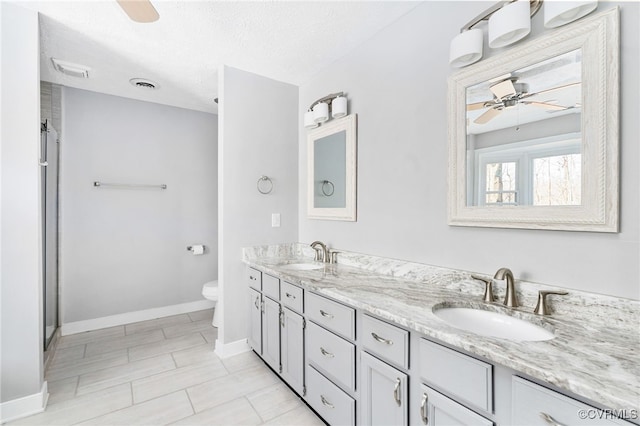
(501, 183)
(557, 180)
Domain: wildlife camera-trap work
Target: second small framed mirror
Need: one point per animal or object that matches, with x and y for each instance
(331, 151)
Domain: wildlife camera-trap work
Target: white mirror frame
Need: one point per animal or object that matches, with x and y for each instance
(598, 37)
(347, 213)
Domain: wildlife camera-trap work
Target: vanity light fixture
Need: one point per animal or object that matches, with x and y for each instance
(558, 13)
(509, 22)
(334, 104)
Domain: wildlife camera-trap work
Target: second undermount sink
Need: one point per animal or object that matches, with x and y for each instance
(301, 266)
(493, 324)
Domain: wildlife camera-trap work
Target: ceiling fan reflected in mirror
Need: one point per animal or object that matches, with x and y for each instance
(141, 11)
(508, 93)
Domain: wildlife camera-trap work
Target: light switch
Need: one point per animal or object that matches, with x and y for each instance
(275, 220)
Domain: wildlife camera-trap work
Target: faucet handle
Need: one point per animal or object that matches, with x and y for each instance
(333, 256)
(541, 307)
(488, 290)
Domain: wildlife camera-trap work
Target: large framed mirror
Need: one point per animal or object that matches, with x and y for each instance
(533, 133)
(331, 151)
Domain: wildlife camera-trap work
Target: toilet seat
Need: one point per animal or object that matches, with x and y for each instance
(210, 290)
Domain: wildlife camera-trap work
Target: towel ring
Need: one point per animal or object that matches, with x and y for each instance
(330, 185)
(262, 179)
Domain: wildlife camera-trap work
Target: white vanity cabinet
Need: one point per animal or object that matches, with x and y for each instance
(353, 368)
(276, 330)
(384, 395)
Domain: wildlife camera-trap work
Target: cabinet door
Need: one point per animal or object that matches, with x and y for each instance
(255, 321)
(438, 410)
(271, 333)
(292, 349)
(384, 393)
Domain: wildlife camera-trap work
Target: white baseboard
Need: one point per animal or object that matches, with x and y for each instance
(25, 406)
(131, 317)
(226, 350)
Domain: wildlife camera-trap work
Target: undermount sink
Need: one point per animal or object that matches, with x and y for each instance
(493, 324)
(301, 266)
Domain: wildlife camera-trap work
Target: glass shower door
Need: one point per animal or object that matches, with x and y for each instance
(49, 203)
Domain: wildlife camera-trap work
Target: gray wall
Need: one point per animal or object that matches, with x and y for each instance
(21, 283)
(396, 83)
(258, 136)
(124, 250)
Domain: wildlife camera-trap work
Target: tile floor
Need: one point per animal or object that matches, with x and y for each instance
(163, 371)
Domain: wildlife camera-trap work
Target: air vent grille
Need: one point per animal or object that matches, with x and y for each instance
(145, 84)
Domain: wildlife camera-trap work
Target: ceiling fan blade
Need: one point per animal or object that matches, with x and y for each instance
(477, 105)
(489, 115)
(550, 90)
(546, 105)
(139, 10)
(503, 89)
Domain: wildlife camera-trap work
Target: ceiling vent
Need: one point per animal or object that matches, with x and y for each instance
(71, 69)
(143, 83)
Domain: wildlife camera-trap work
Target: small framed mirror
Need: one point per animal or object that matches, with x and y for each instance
(331, 151)
(533, 133)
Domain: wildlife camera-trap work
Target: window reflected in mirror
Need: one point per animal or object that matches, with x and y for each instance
(524, 135)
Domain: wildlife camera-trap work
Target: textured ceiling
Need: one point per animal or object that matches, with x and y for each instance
(286, 41)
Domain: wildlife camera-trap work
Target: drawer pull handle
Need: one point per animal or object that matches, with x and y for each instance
(423, 408)
(325, 314)
(396, 392)
(290, 296)
(381, 339)
(252, 277)
(550, 420)
(326, 353)
(325, 402)
(256, 302)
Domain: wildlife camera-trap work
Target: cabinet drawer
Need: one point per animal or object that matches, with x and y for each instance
(533, 405)
(271, 286)
(331, 354)
(466, 379)
(335, 406)
(332, 315)
(386, 340)
(291, 296)
(436, 409)
(254, 278)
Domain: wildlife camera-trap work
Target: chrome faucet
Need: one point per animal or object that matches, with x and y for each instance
(322, 249)
(510, 299)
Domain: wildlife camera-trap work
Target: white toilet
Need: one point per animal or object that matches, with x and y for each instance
(210, 292)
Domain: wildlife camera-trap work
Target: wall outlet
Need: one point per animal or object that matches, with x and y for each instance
(275, 220)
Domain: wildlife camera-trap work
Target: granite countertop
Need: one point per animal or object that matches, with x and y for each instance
(594, 354)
